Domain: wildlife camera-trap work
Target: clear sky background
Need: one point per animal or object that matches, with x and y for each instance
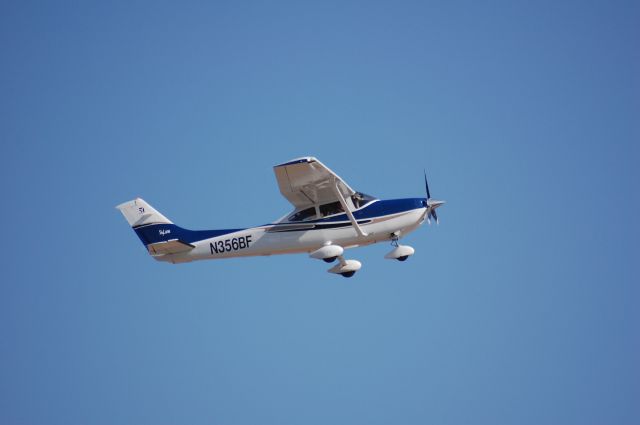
(520, 308)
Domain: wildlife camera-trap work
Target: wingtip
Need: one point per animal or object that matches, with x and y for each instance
(300, 160)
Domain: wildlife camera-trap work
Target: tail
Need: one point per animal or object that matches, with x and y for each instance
(139, 213)
(160, 236)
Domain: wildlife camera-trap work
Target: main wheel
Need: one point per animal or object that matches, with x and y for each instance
(329, 260)
(403, 258)
(348, 274)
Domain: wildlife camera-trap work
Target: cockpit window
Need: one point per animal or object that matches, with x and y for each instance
(330, 209)
(306, 214)
(361, 199)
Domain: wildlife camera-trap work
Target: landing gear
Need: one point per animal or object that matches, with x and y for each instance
(346, 268)
(330, 253)
(400, 252)
(327, 253)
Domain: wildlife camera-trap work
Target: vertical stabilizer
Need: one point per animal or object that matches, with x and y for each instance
(138, 212)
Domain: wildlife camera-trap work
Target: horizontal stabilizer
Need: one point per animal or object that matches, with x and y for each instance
(174, 246)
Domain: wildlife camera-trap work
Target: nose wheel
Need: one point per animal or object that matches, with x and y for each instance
(400, 252)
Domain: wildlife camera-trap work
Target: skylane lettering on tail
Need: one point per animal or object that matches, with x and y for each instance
(328, 217)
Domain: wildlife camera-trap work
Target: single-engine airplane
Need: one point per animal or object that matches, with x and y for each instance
(328, 217)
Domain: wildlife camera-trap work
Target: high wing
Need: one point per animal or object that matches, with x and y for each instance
(307, 181)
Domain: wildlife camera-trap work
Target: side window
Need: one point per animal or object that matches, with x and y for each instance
(330, 209)
(305, 214)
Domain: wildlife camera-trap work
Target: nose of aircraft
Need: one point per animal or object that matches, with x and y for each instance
(430, 204)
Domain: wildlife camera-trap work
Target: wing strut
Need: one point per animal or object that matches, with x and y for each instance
(343, 202)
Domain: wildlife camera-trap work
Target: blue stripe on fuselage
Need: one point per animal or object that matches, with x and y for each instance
(382, 208)
(153, 233)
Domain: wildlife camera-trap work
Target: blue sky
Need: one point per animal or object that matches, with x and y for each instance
(520, 308)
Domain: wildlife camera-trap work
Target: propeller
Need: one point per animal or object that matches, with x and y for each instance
(431, 204)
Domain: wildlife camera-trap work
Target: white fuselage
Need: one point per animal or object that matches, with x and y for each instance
(284, 238)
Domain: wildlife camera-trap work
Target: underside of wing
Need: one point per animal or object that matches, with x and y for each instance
(306, 182)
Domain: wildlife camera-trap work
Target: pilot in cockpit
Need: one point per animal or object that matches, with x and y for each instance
(356, 198)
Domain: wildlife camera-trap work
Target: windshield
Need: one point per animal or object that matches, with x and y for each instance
(361, 199)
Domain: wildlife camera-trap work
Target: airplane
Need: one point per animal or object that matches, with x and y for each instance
(328, 217)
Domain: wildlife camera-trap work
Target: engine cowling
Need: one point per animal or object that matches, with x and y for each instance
(327, 253)
(400, 253)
